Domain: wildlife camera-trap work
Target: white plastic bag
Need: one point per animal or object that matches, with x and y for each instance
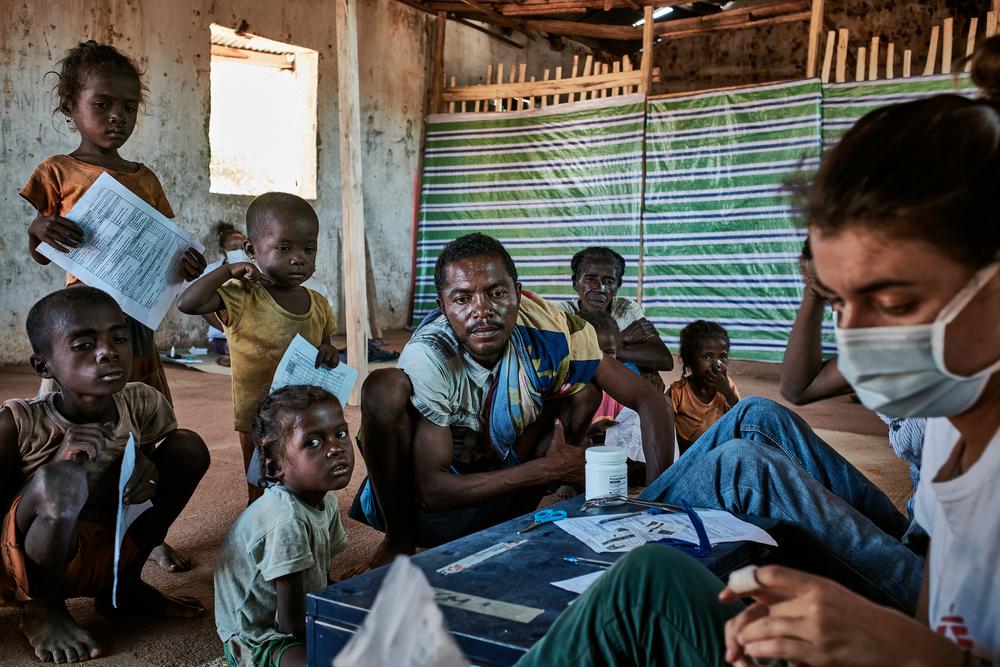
(404, 628)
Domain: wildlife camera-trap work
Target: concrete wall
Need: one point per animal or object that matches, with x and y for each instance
(170, 38)
(775, 53)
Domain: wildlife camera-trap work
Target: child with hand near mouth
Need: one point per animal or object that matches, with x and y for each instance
(280, 548)
(705, 392)
(262, 304)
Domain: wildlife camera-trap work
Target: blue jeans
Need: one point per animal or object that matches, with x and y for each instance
(763, 460)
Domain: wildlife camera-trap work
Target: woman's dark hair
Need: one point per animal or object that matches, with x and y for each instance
(89, 58)
(600, 254)
(273, 419)
(223, 231)
(694, 334)
(928, 169)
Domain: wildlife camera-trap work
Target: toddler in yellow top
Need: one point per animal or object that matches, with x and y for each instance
(705, 392)
(262, 305)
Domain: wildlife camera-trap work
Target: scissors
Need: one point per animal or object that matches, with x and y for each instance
(543, 517)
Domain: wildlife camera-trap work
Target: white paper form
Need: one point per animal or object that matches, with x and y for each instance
(130, 250)
(298, 366)
(628, 533)
(126, 513)
(579, 584)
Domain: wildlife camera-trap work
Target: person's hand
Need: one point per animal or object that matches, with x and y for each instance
(638, 332)
(141, 486)
(810, 620)
(247, 273)
(61, 233)
(328, 356)
(808, 270)
(84, 442)
(566, 462)
(192, 264)
(718, 379)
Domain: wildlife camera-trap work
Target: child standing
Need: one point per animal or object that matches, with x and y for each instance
(280, 548)
(263, 305)
(100, 92)
(705, 392)
(230, 239)
(60, 457)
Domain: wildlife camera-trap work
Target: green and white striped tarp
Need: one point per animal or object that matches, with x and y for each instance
(845, 103)
(720, 243)
(546, 183)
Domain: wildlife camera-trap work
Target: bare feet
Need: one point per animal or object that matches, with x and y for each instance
(54, 635)
(170, 559)
(141, 598)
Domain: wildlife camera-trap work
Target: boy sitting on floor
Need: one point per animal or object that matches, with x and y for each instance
(60, 457)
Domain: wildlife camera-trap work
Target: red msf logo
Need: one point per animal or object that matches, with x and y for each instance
(953, 627)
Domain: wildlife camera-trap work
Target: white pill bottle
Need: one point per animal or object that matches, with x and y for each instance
(607, 472)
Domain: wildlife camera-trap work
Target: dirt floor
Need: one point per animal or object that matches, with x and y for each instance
(203, 404)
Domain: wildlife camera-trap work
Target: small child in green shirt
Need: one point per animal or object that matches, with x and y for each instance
(280, 547)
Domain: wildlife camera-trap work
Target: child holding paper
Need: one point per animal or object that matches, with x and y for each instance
(231, 242)
(262, 305)
(280, 548)
(100, 91)
(60, 457)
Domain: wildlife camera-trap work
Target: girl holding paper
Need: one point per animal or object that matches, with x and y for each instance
(100, 90)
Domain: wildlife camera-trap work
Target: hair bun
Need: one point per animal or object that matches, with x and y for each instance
(986, 68)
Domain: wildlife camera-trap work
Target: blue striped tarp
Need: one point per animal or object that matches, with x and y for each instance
(845, 103)
(720, 243)
(718, 234)
(546, 183)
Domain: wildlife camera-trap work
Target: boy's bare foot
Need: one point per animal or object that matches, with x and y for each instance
(141, 598)
(170, 559)
(54, 635)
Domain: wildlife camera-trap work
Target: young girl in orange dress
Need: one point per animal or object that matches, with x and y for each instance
(100, 92)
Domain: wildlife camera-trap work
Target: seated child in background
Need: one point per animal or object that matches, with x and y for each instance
(704, 393)
(60, 456)
(230, 239)
(609, 339)
(263, 305)
(280, 547)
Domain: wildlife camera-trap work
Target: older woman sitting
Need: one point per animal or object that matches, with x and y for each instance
(597, 277)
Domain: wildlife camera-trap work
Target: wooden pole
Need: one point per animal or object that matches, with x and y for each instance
(873, 59)
(646, 64)
(907, 60)
(932, 51)
(859, 74)
(991, 23)
(970, 43)
(946, 46)
(831, 43)
(890, 56)
(437, 64)
(815, 27)
(841, 74)
(351, 192)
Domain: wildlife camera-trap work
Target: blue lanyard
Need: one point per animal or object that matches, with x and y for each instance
(700, 550)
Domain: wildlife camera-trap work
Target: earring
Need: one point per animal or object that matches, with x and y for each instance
(68, 120)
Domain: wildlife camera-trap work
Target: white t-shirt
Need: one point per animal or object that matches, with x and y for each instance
(962, 517)
(623, 311)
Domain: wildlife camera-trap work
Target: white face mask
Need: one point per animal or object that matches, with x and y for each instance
(900, 371)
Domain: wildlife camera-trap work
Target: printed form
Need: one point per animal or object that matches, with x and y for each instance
(130, 250)
(298, 366)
